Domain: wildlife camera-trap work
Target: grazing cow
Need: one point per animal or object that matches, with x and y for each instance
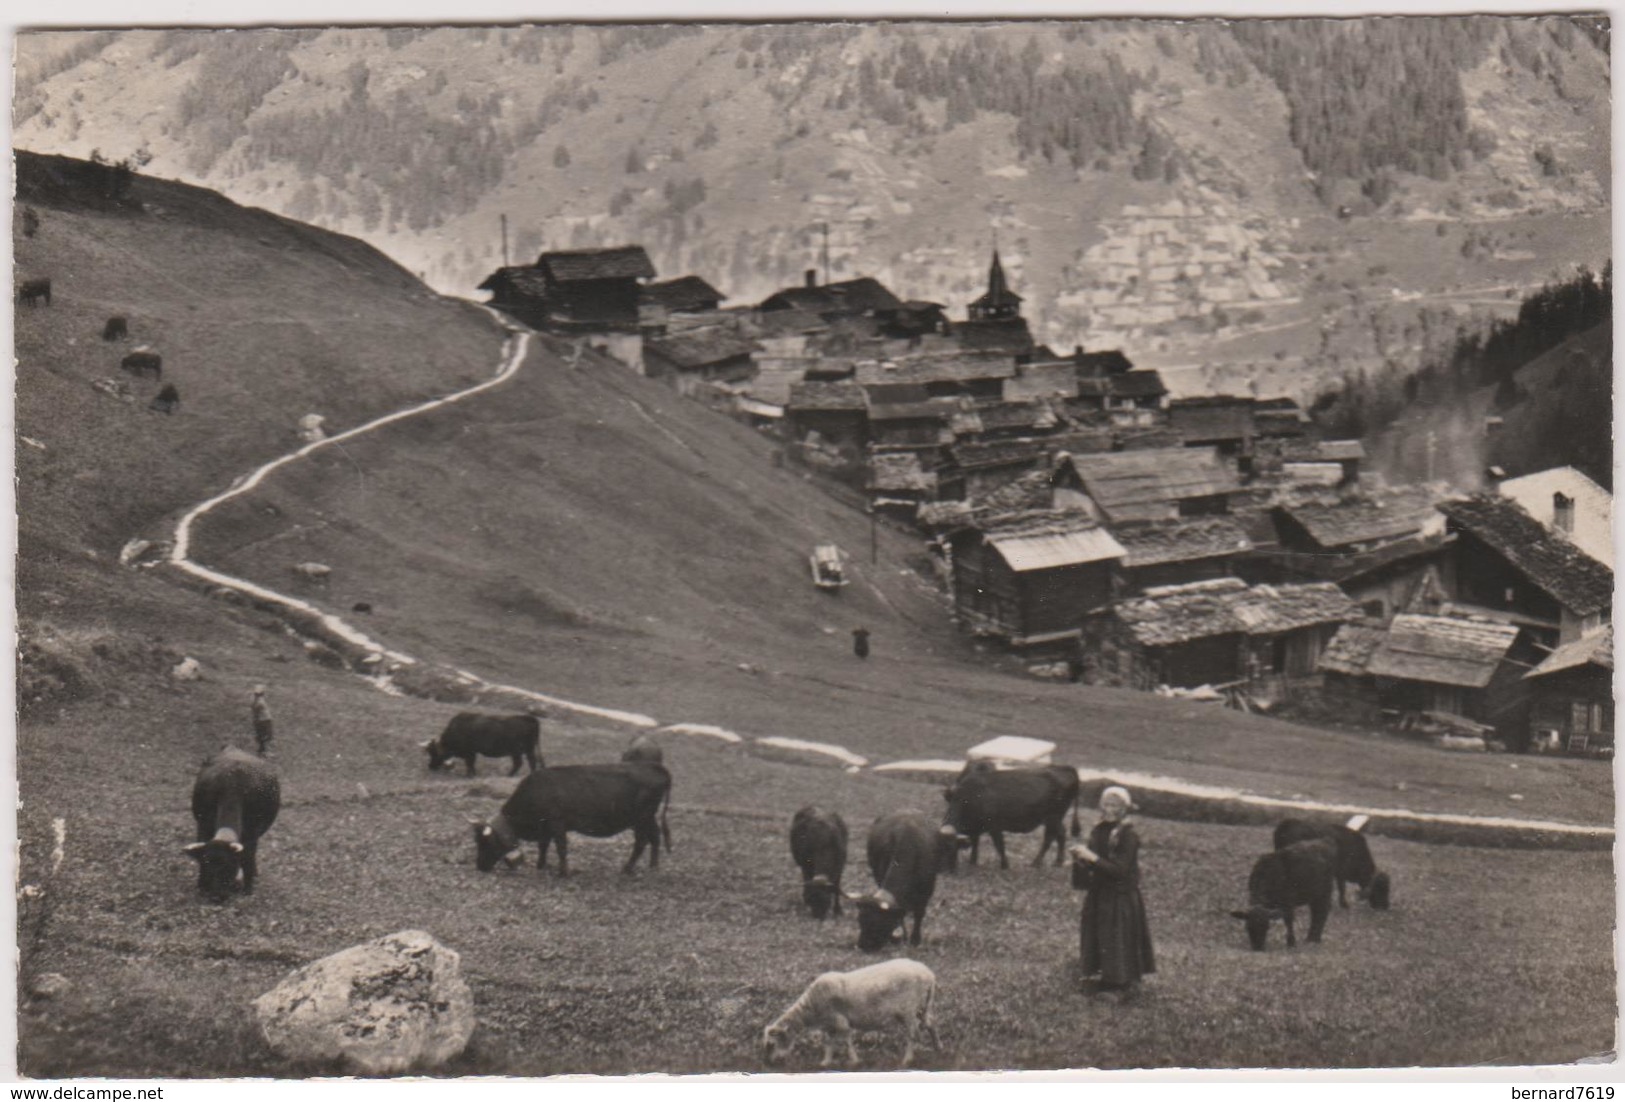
(30, 291)
(168, 400)
(235, 800)
(471, 734)
(839, 1004)
(116, 329)
(987, 800)
(818, 847)
(1284, 880)
(1354, 863)
(600, 801)
(644, 748)
(142, 364)
(903, 859)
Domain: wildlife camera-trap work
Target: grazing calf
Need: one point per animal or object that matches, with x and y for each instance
(116, 329)
(142, 364)
(32, 290)
(644, 748)
(837, 1004)
(1354, 863)
(903, 858)
(1287, 879)
(470, 735)
(818, 847)
(235, 800)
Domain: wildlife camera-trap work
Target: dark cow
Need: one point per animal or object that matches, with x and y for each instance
(235, 800)
(903, 859)
(1287, 879)
(1354, 863)
(168, 400)
(987, 800)
(818, 847)
(30, 291)
(600, 801)
(116, 329)
(644, 748)
(470, 735)
(142, 364)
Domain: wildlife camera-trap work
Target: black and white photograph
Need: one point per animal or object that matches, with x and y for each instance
(553, 547)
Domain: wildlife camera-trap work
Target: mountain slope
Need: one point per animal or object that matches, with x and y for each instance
(724, 148)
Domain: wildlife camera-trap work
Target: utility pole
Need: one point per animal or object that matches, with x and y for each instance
(504, 240)
(826, 254)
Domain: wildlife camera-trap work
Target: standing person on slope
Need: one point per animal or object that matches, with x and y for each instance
(1114, 938)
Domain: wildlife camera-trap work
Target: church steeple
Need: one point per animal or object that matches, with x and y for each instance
(1000, 301)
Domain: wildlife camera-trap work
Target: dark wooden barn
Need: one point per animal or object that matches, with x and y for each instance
(1572, 697)
(1030, 578)
(581, 290)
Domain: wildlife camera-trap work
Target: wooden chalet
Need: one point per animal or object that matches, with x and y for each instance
(1377, 549)
(915, 319)
(1101, 365)
(862, 297)
(577, 291)
(1307, 461)
(1418, 666)
(1281, 419)
(1135, 390)
(1506, 564)
(1180, 551)
(1572, 697)
(1030, 578)
(1220, 632)
(905, 414)
(1001, 336)
(1154, 484)
(899, 483)
(942, 376)
(836, 411)
(1219, 421)
(692, 357)
(977, 468)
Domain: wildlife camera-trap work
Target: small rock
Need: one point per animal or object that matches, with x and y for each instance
(50, 985)
(388, 1006)
(187, 669)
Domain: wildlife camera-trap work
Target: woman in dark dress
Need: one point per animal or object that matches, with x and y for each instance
(1115, 939)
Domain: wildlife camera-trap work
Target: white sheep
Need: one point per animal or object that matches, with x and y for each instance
(838, 1003)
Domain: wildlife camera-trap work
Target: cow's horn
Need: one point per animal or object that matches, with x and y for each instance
(427, 744)
(236, 847)
(472, 821)
(195, 848)
(946, 830)
(1238, 914)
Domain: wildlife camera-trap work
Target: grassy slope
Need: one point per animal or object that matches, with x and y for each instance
(573, 977)
(586, 532)
(564, 982)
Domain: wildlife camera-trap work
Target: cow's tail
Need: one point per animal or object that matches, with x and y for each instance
(665, 831)
(1077, 794)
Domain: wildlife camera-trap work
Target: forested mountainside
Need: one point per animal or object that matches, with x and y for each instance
(724, 149)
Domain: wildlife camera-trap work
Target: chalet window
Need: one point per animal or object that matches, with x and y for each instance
(1377, 609)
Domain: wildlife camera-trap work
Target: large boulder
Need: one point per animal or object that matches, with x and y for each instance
(388, 1006)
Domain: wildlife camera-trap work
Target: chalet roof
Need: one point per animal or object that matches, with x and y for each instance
(1045, 538)
(1137, 384)
(523, 280)
(779, 323)
(998, 288)
(1593, 507)
(1211, 419)
(623, 262)
(1351, 648)
(1280, 422)
(696, 348)
(994, 335)
(1102, 364)
(839, 395)
(1124, 484)
(898, 471)
(1029, 492)
(1592, 650)
(943, 514)
(1228, 606)
(980, 455)
(954, 367)
(1057, 380)
(1558, 568)
(1441, 650)
(1348, 523)
(863, 295)
(501, 275)
(1337, 451)
(881, 394)
(1181, 541)
(688, 292)
(1147, 437)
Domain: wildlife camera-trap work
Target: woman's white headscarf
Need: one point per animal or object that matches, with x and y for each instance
(1119, 792)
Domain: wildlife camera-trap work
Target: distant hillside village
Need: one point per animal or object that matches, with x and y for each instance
(1213, 547)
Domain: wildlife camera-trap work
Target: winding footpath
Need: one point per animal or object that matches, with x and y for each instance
(1168, 791)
